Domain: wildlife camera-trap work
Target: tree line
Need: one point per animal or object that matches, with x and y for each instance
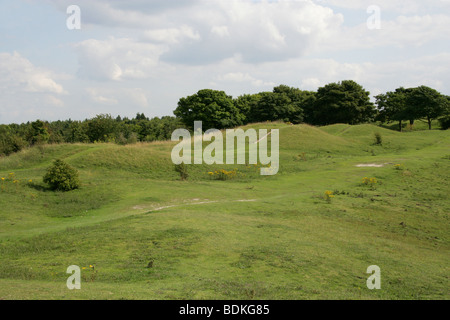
(341, 102)
(102, 128)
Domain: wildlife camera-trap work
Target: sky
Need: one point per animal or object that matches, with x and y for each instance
(142, 56)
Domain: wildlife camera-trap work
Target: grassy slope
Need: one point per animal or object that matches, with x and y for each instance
(284, 242)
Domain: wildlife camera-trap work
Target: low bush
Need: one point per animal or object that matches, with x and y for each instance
(182, 170)
(62, 177)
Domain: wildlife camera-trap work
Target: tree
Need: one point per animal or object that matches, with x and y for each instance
(141, 116)
(245, 103)
(411, 104)
(9, 141)
(273, 106)
(302, 101)
(101, 128)
(342, 102)
(445, 119)
(214, 108)
(425, 102)
(38, 133)
(77, 132)
(392, 106)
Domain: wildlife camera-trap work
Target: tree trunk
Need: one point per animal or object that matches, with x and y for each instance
(429, 123)
(400, 125)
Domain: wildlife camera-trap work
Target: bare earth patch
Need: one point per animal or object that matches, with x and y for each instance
(376, 165)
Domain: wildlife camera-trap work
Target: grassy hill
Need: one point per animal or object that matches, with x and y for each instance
(141, 233)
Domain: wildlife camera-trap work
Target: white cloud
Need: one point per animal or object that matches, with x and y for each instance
(27, 91)
(122, 97)
(117, 59)
(310, 84)
(221, 31)
(401, 32)
(53, 101)
(102, 96)
(18, 74)
(202, 31)
(137, 96)
(240, 77)
(171, 35)
(399, 6)
(258, 31)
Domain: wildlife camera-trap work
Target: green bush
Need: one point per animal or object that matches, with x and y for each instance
(182, 170)
(378, 140)
(445, 122)
(10, 144)
(62, 177)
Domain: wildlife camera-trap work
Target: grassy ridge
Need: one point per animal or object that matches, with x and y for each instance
(150, 236)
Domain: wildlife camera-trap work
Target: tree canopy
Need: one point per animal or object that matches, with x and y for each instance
(411, 104)
(342, 102)
(425, 102)
(214, 108)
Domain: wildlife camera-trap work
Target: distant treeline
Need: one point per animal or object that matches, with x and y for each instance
(102, 128)
(341, 102)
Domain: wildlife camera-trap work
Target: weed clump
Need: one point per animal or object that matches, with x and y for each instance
(328, 196)
(223, 174)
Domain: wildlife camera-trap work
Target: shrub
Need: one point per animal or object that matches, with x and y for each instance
(62, 177)
(182, 170)
(378, 140)
(445, 122)
(10, 143)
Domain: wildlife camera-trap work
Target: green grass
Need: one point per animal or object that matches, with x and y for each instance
(151, 236)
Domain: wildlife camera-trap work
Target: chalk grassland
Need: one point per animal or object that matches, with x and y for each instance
(138, 232)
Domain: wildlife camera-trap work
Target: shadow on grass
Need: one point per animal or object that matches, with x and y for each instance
(40, 187)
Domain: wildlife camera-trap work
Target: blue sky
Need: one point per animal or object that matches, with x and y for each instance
(143, 55)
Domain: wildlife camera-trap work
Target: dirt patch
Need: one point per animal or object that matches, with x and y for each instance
(374, 165)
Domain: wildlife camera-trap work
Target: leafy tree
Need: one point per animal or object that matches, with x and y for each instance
(245, 103)
(38, 133)
(56, 130)
(9, 142)
(62, 177)
(101, 128)
(392, 106)
(76, 132)
(342, 102)
(425, 102)
(214, 108)
(301, 99)
(273, 106)
(141, 116)
(445, 119)
(411, 104)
